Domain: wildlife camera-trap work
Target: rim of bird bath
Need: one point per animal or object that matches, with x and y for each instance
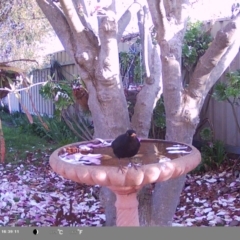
(125, 185)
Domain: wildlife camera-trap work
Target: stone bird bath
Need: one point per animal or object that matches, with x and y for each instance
(94, 163)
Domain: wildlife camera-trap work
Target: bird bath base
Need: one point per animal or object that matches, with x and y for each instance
(159, 161)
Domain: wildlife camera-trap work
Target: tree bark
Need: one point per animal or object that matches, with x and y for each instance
(99, 69)
(109, 88)
(98, 64)
(152, 90)
(203, 79)
(170, 23)
(126, 18)
(141, 120)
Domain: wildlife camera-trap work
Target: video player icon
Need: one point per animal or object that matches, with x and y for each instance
(35, 231)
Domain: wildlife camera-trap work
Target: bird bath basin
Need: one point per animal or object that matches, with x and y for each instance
(158, 161)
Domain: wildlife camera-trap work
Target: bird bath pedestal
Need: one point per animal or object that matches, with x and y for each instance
(159, 161)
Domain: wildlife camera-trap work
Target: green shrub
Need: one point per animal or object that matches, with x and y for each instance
(229, 91)
(213, 152)
(57, 131)
(158, 126)
(196, 42)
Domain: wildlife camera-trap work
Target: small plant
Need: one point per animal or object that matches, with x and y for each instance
(213, 151)
(196, 42)
(206, 134)
(229, 91)
(60, 91)
(68, 96)
(57, 131)
(158, 125)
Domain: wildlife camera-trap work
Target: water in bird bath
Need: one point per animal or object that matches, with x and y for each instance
(101, 153)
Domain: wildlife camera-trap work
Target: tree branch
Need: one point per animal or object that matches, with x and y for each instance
(32, 19)
(82, 4)
(169, 18)
(80, 43)
(149, 95)
(84, 16)
(159, 17)
(172, 85)
(108, 65)
(81, 33)
(222, 65)
(19, 60)
(146, 41)
(22, 89)
(174, 10)
(181, 15)
(152, 90)
(213, 60)
(58, 22)
(126, 18)
(71, 16)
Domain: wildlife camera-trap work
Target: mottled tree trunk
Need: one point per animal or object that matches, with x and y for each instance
(97, 60)
(146, 101)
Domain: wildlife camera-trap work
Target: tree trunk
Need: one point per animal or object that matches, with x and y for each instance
(183, 106)
(99, 67)
(141, 120)
(98, 64)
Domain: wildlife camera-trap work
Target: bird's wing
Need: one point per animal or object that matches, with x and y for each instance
(119, 142)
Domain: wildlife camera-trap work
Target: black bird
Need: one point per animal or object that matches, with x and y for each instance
(126, 146)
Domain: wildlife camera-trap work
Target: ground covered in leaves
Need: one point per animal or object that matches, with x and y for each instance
(31, 194)
(211, 199)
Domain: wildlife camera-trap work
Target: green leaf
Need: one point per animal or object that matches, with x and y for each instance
(219, 92)
(206, 134)
(195, 43)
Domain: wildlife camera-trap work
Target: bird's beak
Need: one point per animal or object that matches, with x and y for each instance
(133, 135)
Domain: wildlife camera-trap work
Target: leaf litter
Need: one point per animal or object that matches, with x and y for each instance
(31, 194)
